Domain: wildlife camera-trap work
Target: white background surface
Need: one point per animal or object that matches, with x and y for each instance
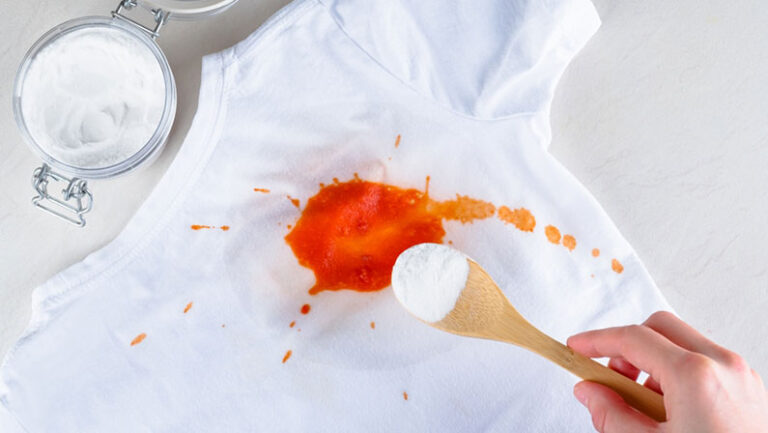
(663, 116)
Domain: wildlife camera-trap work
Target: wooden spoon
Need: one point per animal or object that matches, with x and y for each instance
(483, 311)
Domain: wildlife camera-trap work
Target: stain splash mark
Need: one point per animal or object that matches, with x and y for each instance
(595, 252)
(186, 309)
(305, 309)
(373, 325)
(553, 234)
(223, 325)
(405, 396)
(522, 218)
(295, 201)
(201, 227)
(139, 338)
(262, 190)
(397, 141)
(292, 324)
(287, 355)
(617, 266)
(569, 242)
(350, 233)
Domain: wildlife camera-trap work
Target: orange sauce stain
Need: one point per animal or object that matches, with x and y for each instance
(595, 252)
(522, 218)
(295, 201)
(450, 242)
(305, 309)
(569, 242)
(292, 324)
(264, 190)
(225, 228)
(288, 226)
(553, 234)
(617, 266)
(463, 208)
(223, 325)
(405, 396)
(186, 309)
(373, 325)
(397, 141)
(139, 338)
(287, 355)
(198, 227)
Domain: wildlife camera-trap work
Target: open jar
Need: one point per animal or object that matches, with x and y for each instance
(95, 98)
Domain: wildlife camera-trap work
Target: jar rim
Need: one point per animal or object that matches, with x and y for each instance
(149, 150)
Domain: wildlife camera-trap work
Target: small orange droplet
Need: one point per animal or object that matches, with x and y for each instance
(553, 234)
(305, 309)
(405, 395)
(373, 325)
(595, 252)
(295, 201)
(198, 227)
(186, 309)
(287, 355)
(289, 226)
(292, 324)
(617, 266)
(264, 190)
(397, 141)
(450, 242)
(426, 188)
(569, 242)
(139, 338)
(223, 325)
(225, 228)
(522, 218)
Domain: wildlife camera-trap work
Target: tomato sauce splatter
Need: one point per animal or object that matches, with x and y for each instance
(295, 201)
(397, 141)
(139, 338)
(287, 355)
(595, 252)
(264, 190)
(553, 234)
(405, 396)
(569, 242)
(617, 266)
(292, 324)
(522, 218)
(186, 309)
(305, 309)
(200, 227)
(350, 233)
(373, 325)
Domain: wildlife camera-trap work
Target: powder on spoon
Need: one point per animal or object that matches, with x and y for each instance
(93, 97)
(428, 278)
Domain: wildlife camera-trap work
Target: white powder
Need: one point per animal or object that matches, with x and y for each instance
(428, 279)
(93, 97)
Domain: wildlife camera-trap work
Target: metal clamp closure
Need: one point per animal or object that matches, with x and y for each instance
(76, 190)
(159, 16)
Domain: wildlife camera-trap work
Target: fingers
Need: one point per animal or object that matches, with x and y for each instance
(641, 346)
(621, 365)
(609, 412)
(682, 334)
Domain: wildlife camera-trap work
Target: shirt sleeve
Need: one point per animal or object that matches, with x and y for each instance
(486, 59)
(8, 422)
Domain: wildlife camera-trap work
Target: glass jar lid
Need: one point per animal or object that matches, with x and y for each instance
(189, 9)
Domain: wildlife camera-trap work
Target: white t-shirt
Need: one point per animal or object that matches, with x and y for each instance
(193, 318)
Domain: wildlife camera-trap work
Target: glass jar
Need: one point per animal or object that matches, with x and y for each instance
(139, 148)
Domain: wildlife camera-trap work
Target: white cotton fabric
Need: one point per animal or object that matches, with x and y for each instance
(321, 91)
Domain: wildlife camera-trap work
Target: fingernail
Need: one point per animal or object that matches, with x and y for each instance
(578, 392)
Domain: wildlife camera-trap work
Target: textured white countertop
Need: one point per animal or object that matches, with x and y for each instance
(663, 116)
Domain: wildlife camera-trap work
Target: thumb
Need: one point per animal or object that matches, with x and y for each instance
(610, 414)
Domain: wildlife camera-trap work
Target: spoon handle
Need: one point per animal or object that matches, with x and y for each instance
(641, 398)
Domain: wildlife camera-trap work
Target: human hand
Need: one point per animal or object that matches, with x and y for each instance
(706, 388)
